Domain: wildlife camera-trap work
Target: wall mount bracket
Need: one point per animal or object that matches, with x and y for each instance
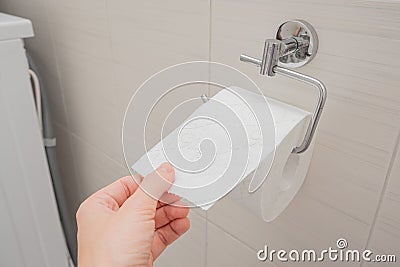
(295, 45)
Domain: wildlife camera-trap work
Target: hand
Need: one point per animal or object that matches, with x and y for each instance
(121, 225)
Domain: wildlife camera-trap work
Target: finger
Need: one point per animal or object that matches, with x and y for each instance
(167, 198)
(166, 235)
(166, 214)
(115, 194)
(151, 189)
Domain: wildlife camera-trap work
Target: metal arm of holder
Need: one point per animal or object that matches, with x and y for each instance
(296, 50)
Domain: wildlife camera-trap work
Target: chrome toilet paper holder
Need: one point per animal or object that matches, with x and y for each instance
(295, 45)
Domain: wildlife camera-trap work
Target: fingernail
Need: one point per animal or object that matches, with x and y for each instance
(166, 168)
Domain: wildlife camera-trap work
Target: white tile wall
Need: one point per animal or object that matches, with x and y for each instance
(188, 250)
(94, 54)
(385, 237)
(98, 168)
(225, 250)
(67, 164)
(358, 130)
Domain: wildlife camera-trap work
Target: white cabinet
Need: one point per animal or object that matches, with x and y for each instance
(30, 229)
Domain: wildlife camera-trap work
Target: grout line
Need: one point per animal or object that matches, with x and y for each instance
(56, 61)
(206, 242)
(62, 91)
(396, 151)
(76, 136)
(111, 56)
(209, 95)
(209, 43)
(342, 212)
(116, 88)
(238, 240)
(219, 227)
(94, 147)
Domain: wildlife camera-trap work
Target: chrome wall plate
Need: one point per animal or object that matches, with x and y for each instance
(298, 29)
(295, 45)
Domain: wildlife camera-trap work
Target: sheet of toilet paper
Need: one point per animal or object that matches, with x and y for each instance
(203, 184)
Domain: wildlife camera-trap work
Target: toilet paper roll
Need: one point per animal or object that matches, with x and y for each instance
(265, 141)
(288, 170)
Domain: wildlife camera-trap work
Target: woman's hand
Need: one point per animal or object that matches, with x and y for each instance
(121, 225)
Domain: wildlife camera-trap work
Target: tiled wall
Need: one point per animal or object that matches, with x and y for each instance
(94, 53)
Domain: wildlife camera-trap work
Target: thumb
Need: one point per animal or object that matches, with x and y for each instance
(153, 186)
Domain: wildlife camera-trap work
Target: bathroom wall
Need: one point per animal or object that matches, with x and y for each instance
(93, 55)
(350, 190)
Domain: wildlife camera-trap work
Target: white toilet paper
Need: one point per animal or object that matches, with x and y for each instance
(204, 187)
(288, 170)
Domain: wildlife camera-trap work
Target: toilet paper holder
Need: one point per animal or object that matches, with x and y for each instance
(295, 45)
